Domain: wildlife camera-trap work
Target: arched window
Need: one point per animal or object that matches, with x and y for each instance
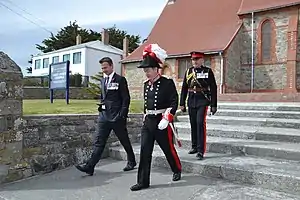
(266, 40)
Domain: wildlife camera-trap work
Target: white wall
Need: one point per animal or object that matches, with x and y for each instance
(74, 68)
(93, 56)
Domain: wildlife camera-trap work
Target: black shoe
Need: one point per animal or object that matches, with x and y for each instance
(129, 166)
(193, 151)
(177, 176)
(199, 156)
(85, 169)
(138, 186)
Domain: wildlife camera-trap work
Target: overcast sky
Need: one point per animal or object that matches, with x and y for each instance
(18, 36)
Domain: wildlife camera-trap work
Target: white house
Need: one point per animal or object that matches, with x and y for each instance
(84, 57)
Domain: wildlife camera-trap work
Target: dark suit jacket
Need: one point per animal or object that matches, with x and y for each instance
(116, 99)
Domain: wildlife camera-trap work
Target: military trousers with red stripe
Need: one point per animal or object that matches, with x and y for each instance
(198, 127)
(164, 138)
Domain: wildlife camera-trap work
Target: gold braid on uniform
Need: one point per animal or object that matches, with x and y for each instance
(189, 75)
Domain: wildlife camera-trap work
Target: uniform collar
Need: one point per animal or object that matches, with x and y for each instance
(151, 81)
(200, 67)
(109, 76)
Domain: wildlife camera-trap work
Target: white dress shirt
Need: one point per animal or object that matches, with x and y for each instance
(109, 77)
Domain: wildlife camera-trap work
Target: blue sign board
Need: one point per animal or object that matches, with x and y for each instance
(59, 78)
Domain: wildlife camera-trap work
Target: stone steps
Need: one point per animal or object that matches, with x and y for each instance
(259, 113)
(266, 106)
(245, 147)
(246, 132)
(249, 143)
(248, 121)
(270, 173)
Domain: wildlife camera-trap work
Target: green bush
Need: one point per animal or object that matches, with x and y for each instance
(77, 80)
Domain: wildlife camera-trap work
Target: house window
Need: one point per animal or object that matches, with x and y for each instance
(266, 40)
(77, 58)
(45, 62)
(37, 64)
(66, 57)
(55, 59)
(183, 65)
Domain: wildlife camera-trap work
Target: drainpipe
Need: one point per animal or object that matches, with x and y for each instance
(222, 71)
(252, 52)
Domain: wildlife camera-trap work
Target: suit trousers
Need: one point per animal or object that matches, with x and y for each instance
(104, 130)
(198, 127)
(150, 134)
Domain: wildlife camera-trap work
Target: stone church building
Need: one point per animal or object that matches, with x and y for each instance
(251, 45)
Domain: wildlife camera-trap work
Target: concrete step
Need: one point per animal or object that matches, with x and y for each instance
(248, 121)
(281, 175)
(259, 113)
(3, 173)
(259, 148)
(246, 132)
(274, 106)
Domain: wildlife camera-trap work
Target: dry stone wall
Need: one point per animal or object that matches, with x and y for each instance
(31, 145)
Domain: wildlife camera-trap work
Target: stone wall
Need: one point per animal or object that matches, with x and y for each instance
(135, 77)
(41, 144)
(43, 93)
(298, 53)
(10, 112)
(267, 76)
(31, 145)
(237, 77)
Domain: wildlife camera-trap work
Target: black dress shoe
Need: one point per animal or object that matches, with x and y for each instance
(129, 166)
(199, 156)
(85, 169)
(193, 151)
(138, 186)
(177, 176)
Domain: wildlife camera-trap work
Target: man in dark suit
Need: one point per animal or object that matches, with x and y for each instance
(113, 111)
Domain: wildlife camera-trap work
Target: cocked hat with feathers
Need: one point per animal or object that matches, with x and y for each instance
(153, 56)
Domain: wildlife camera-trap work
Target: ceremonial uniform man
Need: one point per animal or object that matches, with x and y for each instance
(113, 110)
(200, 84)
(161, 102)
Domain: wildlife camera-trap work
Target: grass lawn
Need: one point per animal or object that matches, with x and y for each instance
(59, 106)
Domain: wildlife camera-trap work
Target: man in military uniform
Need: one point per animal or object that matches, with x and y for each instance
(113, 110)
(160, 105)
(200, 84)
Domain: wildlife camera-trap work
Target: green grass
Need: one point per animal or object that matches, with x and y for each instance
(59, 106)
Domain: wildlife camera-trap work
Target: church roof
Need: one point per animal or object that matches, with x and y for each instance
(200, 25)
(248, 6)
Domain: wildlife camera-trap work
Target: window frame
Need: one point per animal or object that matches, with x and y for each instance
(74, 56)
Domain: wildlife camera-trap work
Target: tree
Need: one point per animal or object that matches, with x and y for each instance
(94, 86)
(116, 37)
(66, 37)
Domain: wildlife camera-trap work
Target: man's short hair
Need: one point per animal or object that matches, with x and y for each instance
(106, 59)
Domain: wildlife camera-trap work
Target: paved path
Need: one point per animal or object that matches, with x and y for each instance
(110, 183)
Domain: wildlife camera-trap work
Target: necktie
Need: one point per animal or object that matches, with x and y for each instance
(105, 82)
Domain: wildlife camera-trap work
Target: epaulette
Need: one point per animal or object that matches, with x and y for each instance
(145, 81)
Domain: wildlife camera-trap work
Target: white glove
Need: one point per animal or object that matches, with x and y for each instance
(163, 124)
(144, 117)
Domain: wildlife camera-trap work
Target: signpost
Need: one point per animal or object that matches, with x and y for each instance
(59, 78)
